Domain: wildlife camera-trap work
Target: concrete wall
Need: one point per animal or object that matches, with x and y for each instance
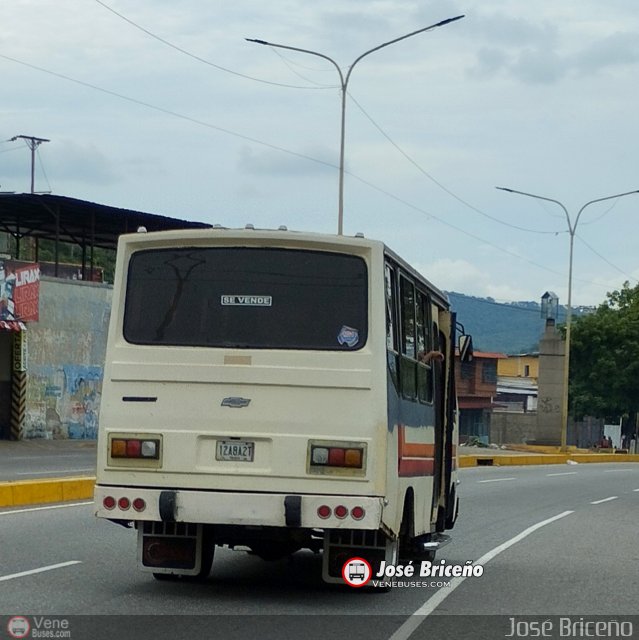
(551, 386)
(66, 351)
(512, 428)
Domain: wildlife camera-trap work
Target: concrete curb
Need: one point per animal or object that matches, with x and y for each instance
(26, 492)
(29, 492)
(504, 460)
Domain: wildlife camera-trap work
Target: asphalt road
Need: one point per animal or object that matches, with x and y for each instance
(554, 541)
(41, 459)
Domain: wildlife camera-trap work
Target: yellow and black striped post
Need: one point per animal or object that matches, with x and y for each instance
(19, 385)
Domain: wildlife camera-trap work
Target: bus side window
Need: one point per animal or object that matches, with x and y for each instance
(389, 276)
(391, 319)
(408, 362)
(424, 345)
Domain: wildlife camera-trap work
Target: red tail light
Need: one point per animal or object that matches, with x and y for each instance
(357, 513)
(124, 503)
(324, 511)
(108, 502)
(139, 504)
(341, 511)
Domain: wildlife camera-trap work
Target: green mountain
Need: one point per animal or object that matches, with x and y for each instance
(510, 328)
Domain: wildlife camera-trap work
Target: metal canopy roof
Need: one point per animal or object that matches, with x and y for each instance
(87, 224)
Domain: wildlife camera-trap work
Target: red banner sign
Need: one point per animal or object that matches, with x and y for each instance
(19, 290)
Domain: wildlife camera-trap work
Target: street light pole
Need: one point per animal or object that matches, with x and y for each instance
(572, 229)
(344, 85)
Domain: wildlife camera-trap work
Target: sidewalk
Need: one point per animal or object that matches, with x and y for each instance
(46, 471)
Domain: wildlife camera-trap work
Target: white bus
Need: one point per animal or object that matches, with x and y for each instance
(270, 390)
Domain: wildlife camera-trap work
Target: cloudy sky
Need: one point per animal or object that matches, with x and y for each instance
(162, 106)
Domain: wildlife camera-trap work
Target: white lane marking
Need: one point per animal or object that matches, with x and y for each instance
(635, 489)
(407, 629)
(31, 572)
(55, 506)
(619, 470)
(40, 473)
(605, 500)
(565, 473)
(495, 480)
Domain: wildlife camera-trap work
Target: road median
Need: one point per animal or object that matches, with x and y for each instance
(29, 492)
(503, 459)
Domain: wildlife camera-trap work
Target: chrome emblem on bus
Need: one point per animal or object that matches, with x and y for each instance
(236, 403)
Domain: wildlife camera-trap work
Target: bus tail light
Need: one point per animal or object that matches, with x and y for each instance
(123, 503)
(135, 448)
(357, 513)
(324, 511)
(341, 511)
(325, 456)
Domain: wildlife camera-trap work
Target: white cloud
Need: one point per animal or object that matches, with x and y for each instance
(536, 96)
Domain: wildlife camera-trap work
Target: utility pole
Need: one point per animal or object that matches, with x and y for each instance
(33, 143)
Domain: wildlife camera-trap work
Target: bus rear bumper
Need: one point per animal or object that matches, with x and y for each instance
(238, 508)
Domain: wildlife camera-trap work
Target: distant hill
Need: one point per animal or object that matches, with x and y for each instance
(514, 327)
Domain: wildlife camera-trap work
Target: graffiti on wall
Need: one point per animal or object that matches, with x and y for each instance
(63, 402)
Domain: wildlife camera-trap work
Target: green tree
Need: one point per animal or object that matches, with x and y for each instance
(604, 358)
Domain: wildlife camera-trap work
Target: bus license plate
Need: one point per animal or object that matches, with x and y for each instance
(234, 451)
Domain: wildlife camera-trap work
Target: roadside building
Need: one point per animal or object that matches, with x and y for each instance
(53, 321)
(476, 390)
(517, 383)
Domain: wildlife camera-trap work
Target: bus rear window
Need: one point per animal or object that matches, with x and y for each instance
(243, 297)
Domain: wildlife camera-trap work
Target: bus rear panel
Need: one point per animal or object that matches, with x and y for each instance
(249, 400)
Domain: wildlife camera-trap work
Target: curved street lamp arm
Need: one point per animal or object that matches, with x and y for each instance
(571, 229)
(408, 35)
(313, 53)
(619, 195)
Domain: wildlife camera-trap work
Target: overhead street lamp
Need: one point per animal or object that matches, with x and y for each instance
(572, 229)
(344, 84)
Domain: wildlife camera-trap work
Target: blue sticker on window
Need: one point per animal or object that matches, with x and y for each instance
(348, 336)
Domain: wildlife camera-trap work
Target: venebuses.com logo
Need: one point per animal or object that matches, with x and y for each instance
(18, 627)
(38, 627)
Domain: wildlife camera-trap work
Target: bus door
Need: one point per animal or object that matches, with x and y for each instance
(439, 394)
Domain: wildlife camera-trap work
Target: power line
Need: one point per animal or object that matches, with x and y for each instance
(196, 57)
(289, 152)
(299, 75)
(621, 271)
(439, 184)
(169, 112)
(44, 173)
